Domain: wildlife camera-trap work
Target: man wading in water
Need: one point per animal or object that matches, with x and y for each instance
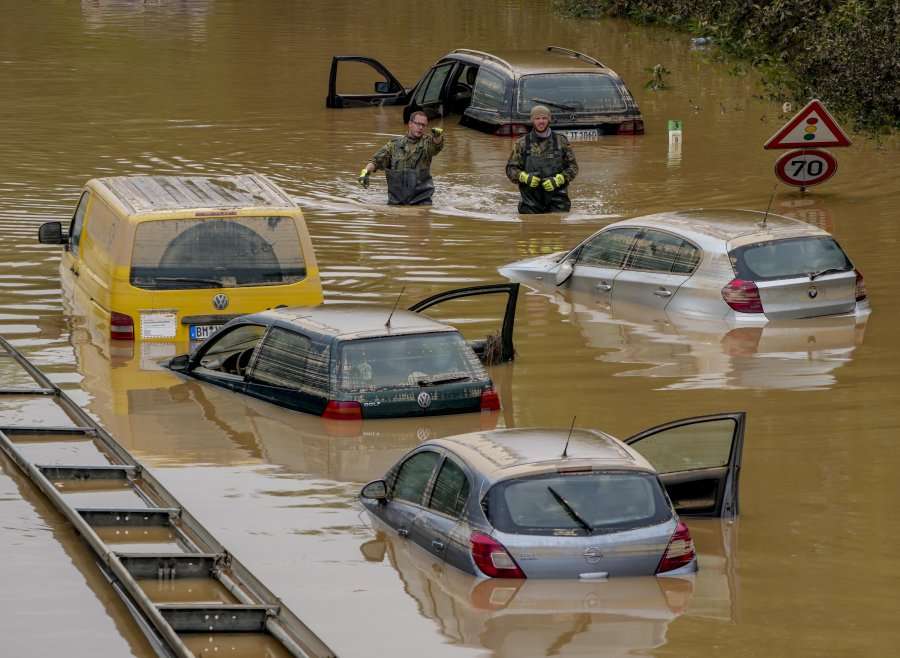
(407, 163)
(543, 164)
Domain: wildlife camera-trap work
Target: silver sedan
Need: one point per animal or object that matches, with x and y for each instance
(744, 266)
(545, 503)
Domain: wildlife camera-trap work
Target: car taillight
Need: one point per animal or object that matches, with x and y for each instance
(860, 287)
(508, 129)
(742, 296)
(492, 557)
(121, 326)
(343, 410)
(679, 552)
(635, 127)
(490, 401)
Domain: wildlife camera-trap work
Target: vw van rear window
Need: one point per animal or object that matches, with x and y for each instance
(785, 259)
(578, 503)
(404, 361)
(571, 92)
(218, 252)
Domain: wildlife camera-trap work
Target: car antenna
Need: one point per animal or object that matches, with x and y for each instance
(397, 301)
(571, 427)
(769, 207)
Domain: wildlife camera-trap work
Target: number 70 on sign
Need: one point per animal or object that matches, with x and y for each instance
(805, 167)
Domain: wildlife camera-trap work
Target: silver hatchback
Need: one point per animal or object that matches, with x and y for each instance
(550, 503)
(744, 266)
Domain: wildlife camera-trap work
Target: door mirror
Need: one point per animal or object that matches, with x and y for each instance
(566, 268)
(52, 233)
(179, 363)
(382, 87)
(376, 490)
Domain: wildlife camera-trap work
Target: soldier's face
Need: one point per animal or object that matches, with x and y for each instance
(540, 123)
(417, 125)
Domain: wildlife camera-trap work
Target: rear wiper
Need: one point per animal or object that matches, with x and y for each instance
(831, 270)
(571, 512)
(561, 106)
(215, 283)
(441, 379)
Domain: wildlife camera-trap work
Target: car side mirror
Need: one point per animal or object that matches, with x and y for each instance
(180, 362)
(566, 268)
(376, 490)
(382, 87)
(52, 233)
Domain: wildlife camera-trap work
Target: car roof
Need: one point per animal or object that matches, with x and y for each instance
(730, 225)
(142, 194)
(351, 321)
(504, 454)
(547, 60)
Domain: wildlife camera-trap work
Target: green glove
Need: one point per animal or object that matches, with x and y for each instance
(364, 177)
(554, 183)
(529, 179)
(437, 132)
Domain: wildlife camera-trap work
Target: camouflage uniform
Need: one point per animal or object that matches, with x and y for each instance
(544, 157)
(407, 166)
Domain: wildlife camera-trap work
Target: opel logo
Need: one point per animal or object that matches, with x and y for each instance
(220, 301)
(424, 400)
(593, 554)
(812, 292)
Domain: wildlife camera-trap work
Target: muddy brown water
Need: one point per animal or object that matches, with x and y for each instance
(116, 87)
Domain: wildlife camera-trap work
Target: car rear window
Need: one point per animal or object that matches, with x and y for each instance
(216, 253)
(573, 92)
(403, 361)
(793, 257)
(605, 501)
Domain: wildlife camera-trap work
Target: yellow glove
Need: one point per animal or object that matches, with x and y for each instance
(529, 179)
(437, 132)
(554, 183)
(364, 177)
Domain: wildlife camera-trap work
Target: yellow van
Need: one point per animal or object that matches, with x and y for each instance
(172, 258)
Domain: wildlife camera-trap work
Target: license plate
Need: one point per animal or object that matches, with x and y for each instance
(582, 135)
(203, 331)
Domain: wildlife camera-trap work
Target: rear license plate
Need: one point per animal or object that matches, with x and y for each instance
(582, 135)
(203, 331)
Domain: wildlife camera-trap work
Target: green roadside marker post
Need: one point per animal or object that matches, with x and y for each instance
(674, 140)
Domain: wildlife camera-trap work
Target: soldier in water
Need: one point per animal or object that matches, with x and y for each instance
(543, 164)
(407, 163)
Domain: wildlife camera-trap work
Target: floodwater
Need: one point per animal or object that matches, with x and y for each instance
(106, 87)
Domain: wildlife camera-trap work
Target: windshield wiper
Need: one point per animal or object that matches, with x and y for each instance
(214, 283)
(442, 379)
(571, 512)
(561, 106)
(831, 270)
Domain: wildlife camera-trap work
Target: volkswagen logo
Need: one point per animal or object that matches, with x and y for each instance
(424, 400)
(812, 292)
(593, 554)
(220, 301)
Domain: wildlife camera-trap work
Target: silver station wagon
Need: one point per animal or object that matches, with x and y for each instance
(740, 265)
(550, 503)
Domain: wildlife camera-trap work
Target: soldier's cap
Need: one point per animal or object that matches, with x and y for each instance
(540, 111)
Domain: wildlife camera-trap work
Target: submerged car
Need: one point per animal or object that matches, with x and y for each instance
(494, 93)
(352, 362)
(743, 266)
(549, 503)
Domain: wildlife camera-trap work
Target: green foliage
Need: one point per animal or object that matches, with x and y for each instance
(657, 79)
(842, 51)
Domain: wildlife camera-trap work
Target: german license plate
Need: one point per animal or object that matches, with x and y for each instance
(203, 331)
(582, 135)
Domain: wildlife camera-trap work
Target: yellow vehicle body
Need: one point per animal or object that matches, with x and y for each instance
(168, 253)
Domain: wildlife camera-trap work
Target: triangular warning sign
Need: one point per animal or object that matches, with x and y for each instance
(811, 127)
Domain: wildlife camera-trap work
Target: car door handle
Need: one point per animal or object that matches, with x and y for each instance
(403, 532)
(437, 545)
(662, 292)
(603, 286)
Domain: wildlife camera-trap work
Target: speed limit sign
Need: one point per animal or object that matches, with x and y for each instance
(805, 167)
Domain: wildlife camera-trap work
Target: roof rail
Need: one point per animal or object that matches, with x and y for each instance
(576, 55)
(480, 53)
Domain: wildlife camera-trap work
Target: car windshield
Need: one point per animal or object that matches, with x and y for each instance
(784, 259)
(580, 503)
(404, 361)
(571, 92)
(216, 253)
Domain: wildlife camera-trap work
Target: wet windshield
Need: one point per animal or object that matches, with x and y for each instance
(577, 503)
(216, 253)
(573, 92)
(783, 259)
(395, 361)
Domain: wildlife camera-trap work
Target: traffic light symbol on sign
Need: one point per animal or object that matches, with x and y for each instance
(812, 126)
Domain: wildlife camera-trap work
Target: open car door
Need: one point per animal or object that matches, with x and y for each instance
(492, 349)
(698, 460)
(387, 89)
